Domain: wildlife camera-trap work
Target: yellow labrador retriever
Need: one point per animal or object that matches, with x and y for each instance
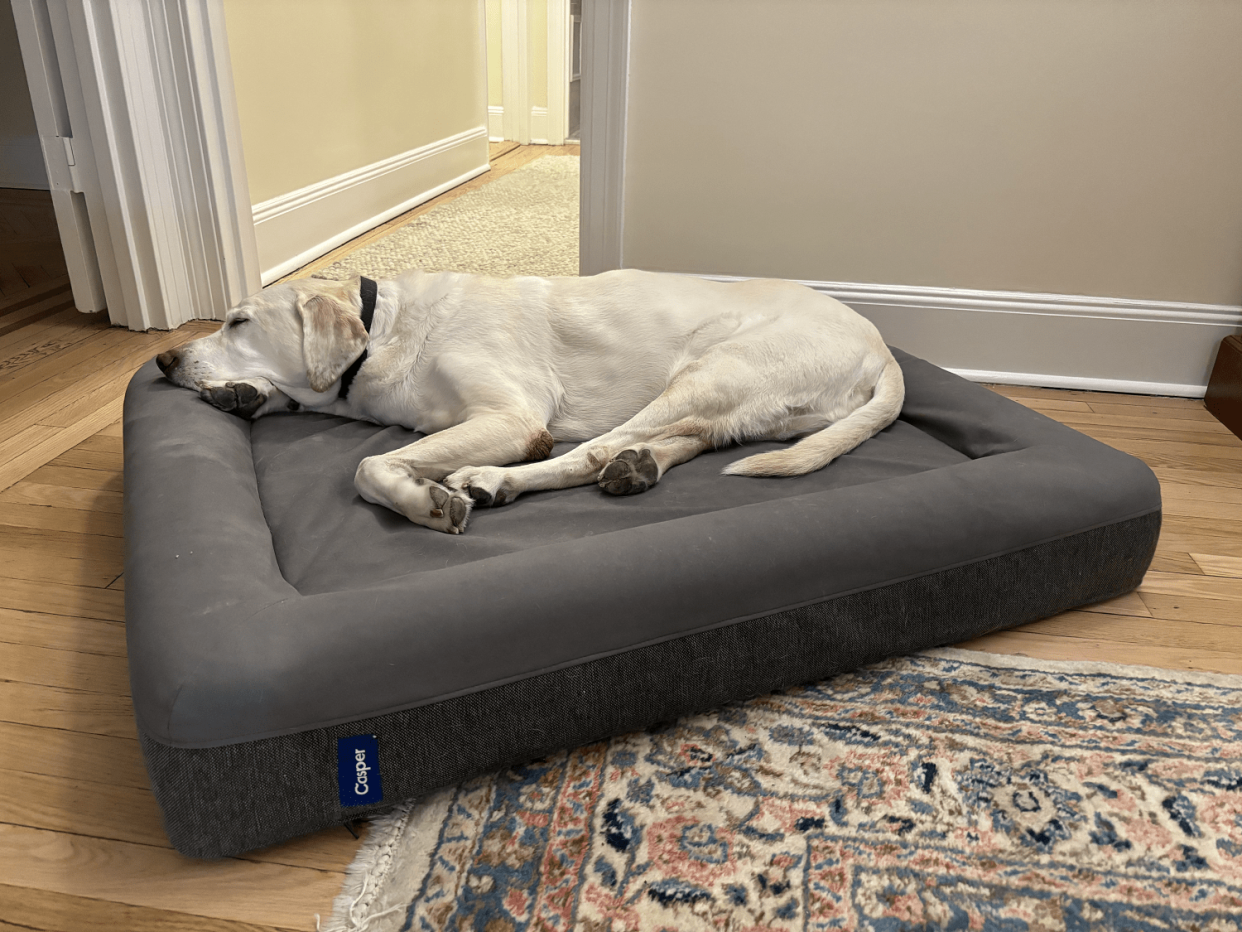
(648, 369)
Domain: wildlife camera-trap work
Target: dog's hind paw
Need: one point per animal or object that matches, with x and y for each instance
(630, 472)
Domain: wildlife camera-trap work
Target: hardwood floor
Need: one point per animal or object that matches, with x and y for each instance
(81, 845)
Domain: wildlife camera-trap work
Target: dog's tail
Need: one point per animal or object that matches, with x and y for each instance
(821, 448)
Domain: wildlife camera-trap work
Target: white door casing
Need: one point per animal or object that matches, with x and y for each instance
(605, 80)
(65, 172)
(149, 102)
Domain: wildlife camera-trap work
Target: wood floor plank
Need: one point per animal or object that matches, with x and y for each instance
(72, 755)
(1150, 632)
(1215, 565)
(19, 299)
(1128, 604)
(17, 564)
(50, 447)
(1192, 411)
(1052, 647)
(23, 327)
(1217, 443)
(1194, 608)
(1064, 394)
(56, 518)
(63, 632)
(64, 669)
(82, 601)
(66, 792)
(1173, 562)
(1199, 587)
(49, 911)
(88, 459)
(62, 496)
(1198, 509)
(56, 542)
(74, 477)
(53, 707)
(1176, 492)
(144, 875)
(1205, 478)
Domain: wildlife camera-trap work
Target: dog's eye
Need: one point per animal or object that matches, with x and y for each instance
(237, 322)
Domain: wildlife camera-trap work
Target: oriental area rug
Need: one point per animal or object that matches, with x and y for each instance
(944, 790)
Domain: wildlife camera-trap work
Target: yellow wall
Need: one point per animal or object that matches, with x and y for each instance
(495, 74)
(1070, 146)
(325, 87)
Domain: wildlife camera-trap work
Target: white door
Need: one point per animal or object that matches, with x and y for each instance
(66, 145)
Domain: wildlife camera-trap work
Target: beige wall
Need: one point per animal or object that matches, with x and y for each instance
(325, 87)
(537, 50)
(1071, 146)
(495, 76)
(21, 160)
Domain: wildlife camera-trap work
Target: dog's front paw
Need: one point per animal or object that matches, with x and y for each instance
(421, 500)
(241, 398)
(487, 486)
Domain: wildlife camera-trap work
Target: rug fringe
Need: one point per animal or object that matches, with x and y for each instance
(368, 870)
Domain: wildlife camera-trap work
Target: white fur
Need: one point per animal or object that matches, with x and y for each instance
(655, 367)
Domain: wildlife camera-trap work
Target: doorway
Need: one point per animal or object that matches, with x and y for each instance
(534, 71)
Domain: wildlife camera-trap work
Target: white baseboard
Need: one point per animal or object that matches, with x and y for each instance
(539, 126)
(1082, 384)
(21, 164)
(1050, 340)
(300, 226)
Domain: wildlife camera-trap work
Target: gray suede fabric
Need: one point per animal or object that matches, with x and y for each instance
(264, 598)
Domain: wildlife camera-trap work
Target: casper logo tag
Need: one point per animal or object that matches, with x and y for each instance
(357, 770)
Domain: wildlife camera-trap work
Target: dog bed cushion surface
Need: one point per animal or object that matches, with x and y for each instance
(265, 597)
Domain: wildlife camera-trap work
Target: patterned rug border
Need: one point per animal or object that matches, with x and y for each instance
(376, 856)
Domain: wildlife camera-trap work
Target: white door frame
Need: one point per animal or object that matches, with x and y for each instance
(605, 82)
(153, 119)
(559, 55)
(515, 71)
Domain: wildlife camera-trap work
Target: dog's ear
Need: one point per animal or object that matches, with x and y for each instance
(332, 338)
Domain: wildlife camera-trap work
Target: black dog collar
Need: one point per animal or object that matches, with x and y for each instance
(368, 290)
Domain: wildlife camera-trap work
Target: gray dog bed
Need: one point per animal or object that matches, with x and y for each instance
(301, 658)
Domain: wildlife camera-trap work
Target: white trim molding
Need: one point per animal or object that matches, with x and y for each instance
(605, 83)
(495, 124)
(539, 131)
(147, 87)
(515, 71)
(300, 226)
(1051, 340)
(559, 53)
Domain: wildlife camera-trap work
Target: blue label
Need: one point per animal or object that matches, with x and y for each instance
(358, 771)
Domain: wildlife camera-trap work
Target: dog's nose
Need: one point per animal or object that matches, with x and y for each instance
(169, 360)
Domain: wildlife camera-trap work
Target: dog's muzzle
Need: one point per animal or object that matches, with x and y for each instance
(168, 361)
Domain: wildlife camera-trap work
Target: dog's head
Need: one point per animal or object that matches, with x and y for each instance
(300, 336)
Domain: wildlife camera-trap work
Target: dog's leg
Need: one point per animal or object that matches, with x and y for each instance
(712, 402)
(249, 398)
(408, 480)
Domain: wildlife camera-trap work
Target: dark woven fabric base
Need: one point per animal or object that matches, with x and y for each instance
(226, 800)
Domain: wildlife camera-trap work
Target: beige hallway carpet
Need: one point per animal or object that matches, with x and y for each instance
(525, 223)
